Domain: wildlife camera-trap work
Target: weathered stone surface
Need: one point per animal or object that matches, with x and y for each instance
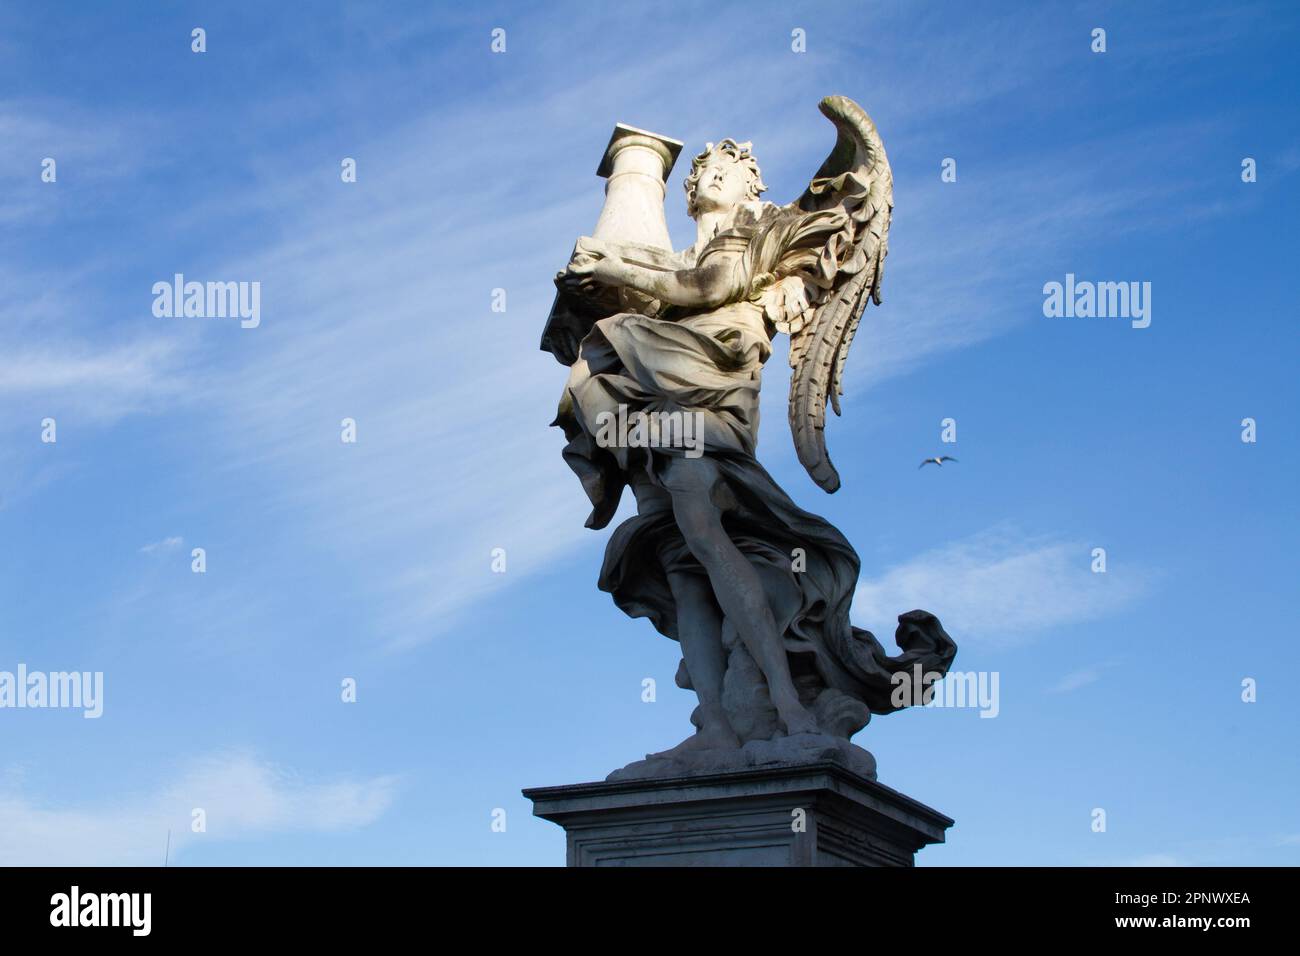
(670, 345)
(665, 350)
(816, 814)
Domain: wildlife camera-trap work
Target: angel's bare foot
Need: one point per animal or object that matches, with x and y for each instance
(797, 719)
(708, 738)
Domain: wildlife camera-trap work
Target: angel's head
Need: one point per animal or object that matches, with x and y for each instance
(722, 176)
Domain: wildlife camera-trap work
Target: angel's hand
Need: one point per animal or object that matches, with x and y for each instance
(579, 278)
(585, 274)
(581, 266)
(594, 247)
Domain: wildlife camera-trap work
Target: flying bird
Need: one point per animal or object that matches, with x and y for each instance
(936, 461)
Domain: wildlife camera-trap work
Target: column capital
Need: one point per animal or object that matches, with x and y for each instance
(625, 136)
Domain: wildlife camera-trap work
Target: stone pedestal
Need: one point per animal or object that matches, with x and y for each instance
(819, 814)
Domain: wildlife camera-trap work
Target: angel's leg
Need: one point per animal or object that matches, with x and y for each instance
(699, 629)
(736, 585)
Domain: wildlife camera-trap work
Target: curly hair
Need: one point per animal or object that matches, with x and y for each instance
(737, 153)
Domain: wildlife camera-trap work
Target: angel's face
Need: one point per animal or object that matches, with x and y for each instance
(722, 184)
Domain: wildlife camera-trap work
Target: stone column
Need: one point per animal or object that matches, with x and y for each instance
(636, 165)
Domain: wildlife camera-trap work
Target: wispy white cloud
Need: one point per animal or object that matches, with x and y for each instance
(963, 254)
(1079, 678)
(998, 588)
(79, 383)
(87, 147)
(166, 544)
(94, 383)
(64, 349)
(242, 797)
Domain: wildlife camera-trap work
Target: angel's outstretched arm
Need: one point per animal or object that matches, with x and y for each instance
(706, 286)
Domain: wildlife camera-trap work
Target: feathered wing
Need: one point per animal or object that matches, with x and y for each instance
(849, 202)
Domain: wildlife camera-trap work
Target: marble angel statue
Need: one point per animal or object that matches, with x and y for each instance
(718, 557)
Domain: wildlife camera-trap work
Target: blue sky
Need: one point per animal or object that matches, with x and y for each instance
(372, 561)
